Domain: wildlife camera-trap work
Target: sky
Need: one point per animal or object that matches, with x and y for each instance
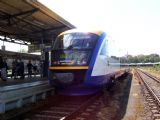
(133, 24)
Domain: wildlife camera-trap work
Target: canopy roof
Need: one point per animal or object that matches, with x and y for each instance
(29, 21)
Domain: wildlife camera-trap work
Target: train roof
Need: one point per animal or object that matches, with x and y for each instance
(97, 32)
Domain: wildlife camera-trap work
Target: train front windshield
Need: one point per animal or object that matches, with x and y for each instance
(73, 49)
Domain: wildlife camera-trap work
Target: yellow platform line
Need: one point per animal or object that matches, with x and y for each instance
(68, 67)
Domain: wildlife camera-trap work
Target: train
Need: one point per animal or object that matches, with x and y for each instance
(82, 62)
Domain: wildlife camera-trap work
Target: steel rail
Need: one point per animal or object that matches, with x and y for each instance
(151, 76)
(82, 107)
(149, 88)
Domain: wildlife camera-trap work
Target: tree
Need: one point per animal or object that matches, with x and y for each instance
(140, 58)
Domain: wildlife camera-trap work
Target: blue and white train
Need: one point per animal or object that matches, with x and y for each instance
(81, 62)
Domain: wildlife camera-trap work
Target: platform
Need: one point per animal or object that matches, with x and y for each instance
(135, 107)
(14, 93)
(11, 81)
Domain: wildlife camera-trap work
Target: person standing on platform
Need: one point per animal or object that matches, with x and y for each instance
(21, 69)
(6, 66)
(41, 68)
(29, 66)
(14, 62)
(35, 69)
(17, 72)
(3, 69)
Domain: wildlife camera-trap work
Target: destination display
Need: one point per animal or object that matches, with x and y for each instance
(69, 57)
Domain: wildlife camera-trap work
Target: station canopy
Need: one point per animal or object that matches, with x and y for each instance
(28, 21)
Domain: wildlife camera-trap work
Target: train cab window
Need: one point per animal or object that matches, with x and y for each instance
(73, 49)
(89, 43)
(66, 41)
(104, 49)
(76, 44)
(76, 41)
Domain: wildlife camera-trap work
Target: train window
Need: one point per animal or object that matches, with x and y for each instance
(66, 41)
(89, 43)
(104, 49)
(76, 41)
(73, 49)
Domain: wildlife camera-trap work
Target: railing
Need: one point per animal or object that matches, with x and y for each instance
(15, 96)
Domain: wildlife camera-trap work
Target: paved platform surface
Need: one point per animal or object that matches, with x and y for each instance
(136, 108)
(11, 81)
(15, 93)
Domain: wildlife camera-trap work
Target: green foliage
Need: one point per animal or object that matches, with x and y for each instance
(152, 58)
(156, 67)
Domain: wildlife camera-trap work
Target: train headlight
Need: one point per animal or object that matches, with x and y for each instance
(84, 62)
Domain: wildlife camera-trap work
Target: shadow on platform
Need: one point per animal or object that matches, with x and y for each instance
(124, 98)
(115, 101)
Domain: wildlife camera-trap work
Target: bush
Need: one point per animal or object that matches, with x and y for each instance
(157, 67)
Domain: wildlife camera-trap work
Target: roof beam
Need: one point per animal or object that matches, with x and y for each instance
(49, 29)
(23, 20)
(18, 14)
(36, 32)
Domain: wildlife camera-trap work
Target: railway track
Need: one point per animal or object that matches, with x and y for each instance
(66, 108)
(60, 107)
(152, 92)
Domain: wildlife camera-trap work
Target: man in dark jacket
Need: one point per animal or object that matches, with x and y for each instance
(29, 66)
(21, 69)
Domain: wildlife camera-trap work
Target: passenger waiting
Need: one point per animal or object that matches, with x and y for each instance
(35, 69)
(6, 65)
(29, 66)
(3, 74)
(17, 71)
(14, 62)
(21, 69)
